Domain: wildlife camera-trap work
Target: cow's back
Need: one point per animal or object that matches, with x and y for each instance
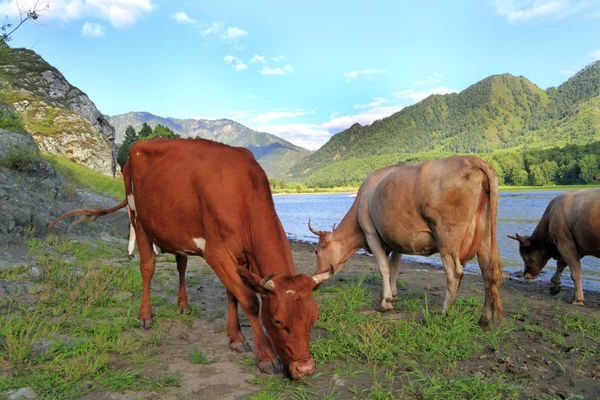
(576, 216)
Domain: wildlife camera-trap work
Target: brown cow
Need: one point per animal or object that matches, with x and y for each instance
(447, 206)
(198, 197)
(568, 231)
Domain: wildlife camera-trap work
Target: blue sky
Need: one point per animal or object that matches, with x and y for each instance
(302, 70)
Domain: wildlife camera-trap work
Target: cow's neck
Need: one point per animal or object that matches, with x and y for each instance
(271, 250)
(348, 234)
(540, 233)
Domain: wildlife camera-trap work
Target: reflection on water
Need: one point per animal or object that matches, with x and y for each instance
(518, 212)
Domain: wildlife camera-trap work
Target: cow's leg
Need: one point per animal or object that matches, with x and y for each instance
(147, 268)
(394, 264)
(454, 274)
(226, 270)
(182, 298)
(569, 254)
(384, 270)
(237, 341)
(555, 281)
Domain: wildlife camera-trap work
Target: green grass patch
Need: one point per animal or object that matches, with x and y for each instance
(81, 175)
(198, 358)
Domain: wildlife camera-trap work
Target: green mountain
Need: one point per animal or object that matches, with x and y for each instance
(274, 154)
(499, 113)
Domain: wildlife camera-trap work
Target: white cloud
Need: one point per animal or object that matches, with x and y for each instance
(277, 71)
(309, 136)
(377, 102)
(120, 13)
(355, 74)
(418, 95)
(279, 115)
(526, 10)
(278, 58)
(258, 58)
(595, 54)
(249, 97)
(241, 114)
(91, 29)
(183, 18)
(236, 63)
(212, 29)
(232, 35)
(431, 79)
(567, 72)
(365, 118)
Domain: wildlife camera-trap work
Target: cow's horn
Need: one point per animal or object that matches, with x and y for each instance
(514, 237)
(318, 233)
(324, 276)
(333, 227)
(267, 283)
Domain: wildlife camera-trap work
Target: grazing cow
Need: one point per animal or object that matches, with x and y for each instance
(447, 206)
(568, 231)
(131, 244)
(198, 197)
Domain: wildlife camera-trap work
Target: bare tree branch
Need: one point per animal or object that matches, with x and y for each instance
(30, 15)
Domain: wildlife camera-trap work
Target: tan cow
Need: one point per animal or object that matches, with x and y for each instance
(568, 231)
(202, 198)
(447, 206)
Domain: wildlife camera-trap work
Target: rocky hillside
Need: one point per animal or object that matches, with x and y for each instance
(500, 112)
(276, 155)
(61, 118)
(33, 193)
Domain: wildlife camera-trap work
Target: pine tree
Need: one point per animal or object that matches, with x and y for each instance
(130, 139)
(145, 132)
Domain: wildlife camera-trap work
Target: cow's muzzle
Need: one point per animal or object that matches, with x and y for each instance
(529, 275)
(299, 369)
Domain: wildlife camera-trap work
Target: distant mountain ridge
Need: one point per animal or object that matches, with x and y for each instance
(275, 154)
(499, 112)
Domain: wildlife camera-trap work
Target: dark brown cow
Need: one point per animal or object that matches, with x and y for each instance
(447, 206)
(568, 231)
(197, 197)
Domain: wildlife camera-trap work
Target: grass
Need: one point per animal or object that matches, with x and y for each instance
(83, 176)
(61, 346)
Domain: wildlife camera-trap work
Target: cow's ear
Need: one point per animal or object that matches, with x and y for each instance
(254, 282)
(250, 280)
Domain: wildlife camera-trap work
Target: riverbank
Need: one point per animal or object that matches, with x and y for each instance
(68, 329)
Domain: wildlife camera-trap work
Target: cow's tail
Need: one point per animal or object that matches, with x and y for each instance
(89, 213)
(495, 265)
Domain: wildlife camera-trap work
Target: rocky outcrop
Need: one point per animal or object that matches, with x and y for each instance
(55, 112)
(33, 194)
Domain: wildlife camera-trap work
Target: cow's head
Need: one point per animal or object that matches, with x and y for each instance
(534, 255)
(329, 252)
(288, 312)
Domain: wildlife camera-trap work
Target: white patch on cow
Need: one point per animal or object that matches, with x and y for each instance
(290, 291)
(131, 240)
(131, 202)
(137, 153)
(200, 243)
(156, 249)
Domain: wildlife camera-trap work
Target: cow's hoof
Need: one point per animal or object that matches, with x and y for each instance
(183, 310)
(130, 256)
(270, 367)
(394, 296)
(577, 302)
(483, 323)
(554, 290)
(146, 323)
(240, 347)
(381, 308)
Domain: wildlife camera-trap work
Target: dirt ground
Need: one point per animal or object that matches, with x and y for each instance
(228, 377)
